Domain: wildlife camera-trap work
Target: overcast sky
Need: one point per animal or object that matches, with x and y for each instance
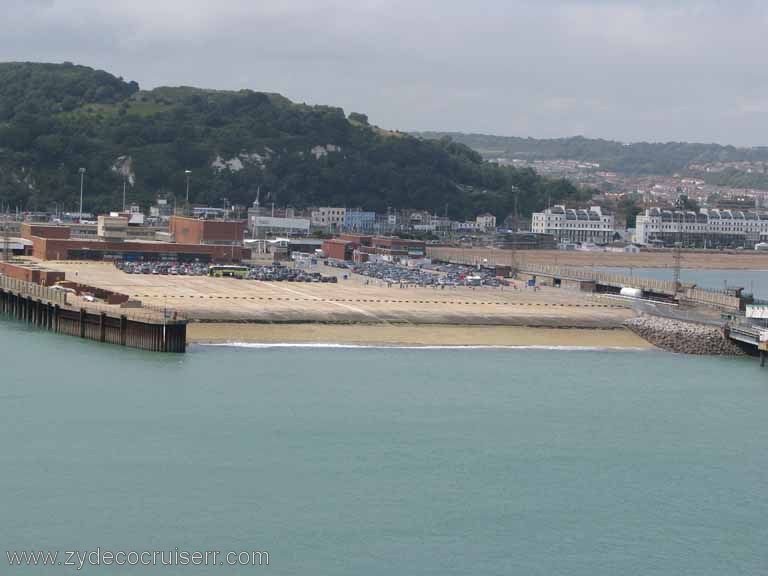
(630, 70)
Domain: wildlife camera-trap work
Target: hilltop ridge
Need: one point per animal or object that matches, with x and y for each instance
(639, 158)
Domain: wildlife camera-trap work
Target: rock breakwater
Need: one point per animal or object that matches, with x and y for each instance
(683, 337)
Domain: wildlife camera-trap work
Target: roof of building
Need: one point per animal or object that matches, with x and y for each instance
(337, 241)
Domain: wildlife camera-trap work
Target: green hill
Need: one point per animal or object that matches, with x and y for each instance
(56, 118)
(640, 158)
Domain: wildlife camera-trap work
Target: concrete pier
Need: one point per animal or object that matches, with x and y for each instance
(48, 309)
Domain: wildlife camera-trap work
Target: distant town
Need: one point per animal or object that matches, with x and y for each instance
(204, 233)
(734, 213)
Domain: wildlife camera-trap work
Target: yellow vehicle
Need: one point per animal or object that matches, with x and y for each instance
(228, 271)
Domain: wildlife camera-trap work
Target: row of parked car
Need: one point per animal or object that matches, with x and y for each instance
(164, 268)
(464, 275)
(280, 273)
(268, 273)
(427, 275)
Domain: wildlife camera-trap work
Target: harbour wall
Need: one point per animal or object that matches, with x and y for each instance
(30, 273)
(684, 337)
(588, 280)
(48, 309)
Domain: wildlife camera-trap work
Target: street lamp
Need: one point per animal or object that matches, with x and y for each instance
(82, 180)
(188, 173)
(125, 178)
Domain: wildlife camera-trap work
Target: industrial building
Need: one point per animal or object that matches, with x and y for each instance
(262, 226)
(361, 248)
(263, 222)
(339, 249)
(575, 225)
(15, 246)
(28, 272)
(112, 229)
(56, 243)
(709, 228)
(203, 231)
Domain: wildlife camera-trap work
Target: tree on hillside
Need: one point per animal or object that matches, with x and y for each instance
(683, 202)
(627, 211)
(358, 118)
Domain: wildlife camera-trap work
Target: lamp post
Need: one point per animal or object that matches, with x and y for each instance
(82, 180)
(188, 173)
(125, 178)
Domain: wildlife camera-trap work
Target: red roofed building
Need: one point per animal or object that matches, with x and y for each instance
(54, 243)
(359, 247)
(198, 231)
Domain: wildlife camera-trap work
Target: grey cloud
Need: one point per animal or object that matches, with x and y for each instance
(631, 70)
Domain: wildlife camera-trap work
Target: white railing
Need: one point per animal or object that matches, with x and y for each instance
(146, 313)
(33, 290)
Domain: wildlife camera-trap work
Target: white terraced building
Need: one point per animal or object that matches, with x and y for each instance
(575, 225)
(709, 228)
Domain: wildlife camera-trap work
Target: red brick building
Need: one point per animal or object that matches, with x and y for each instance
(197, 231)
(28, 230)
(29, 273)
(359, 247)
(338, 249)
(54, 243)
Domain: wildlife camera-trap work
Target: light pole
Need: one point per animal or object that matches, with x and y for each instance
(82, 180)
(188, 173)
(125, 178)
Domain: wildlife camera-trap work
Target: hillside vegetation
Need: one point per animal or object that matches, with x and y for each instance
(55, 119)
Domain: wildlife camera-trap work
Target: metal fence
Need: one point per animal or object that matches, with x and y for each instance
(708, 296)
(34, 290)
(684, 314)
(691, 293)
(146, 313)
(142, 314)
(649, 284)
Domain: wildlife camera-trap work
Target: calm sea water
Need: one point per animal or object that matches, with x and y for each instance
(753, 281)
(381, 462)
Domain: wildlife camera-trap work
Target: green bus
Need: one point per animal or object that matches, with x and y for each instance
(228, 271)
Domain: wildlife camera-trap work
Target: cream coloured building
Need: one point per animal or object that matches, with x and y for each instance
(328, 217)
(486, 222)
(708, 228)
(575, 225)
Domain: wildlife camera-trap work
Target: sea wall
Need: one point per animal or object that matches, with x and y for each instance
(683, 337)
(48, 309)
(27, 272)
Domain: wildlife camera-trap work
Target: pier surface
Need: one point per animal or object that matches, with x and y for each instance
(355, 300)
(698, 259)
